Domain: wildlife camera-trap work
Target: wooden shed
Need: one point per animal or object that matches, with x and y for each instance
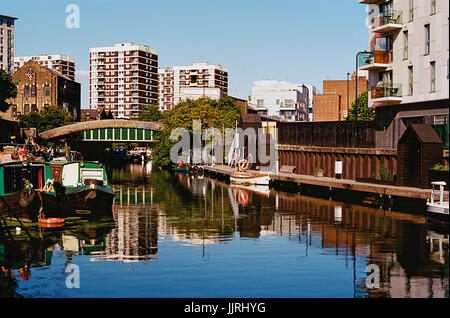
(418, 150)
(252, 121)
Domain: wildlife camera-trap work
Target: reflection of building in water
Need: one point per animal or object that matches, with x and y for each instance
(135, 237)
(176, 234)
(132, 195)
(411, 259)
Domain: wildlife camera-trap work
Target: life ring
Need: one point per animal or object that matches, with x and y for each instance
(243, 164)
(51, 221)
(51, 225)
(243, 197)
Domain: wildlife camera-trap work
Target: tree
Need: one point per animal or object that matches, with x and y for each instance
(48, 118)
(360, 109)
(149, 113)
(222, 113)
(7, 90)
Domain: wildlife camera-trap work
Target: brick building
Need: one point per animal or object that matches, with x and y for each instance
(337, 98)
(38, 86)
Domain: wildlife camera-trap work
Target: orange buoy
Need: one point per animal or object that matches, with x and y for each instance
(51, 225)
(243, 164)
(51, 221)
(243, 197)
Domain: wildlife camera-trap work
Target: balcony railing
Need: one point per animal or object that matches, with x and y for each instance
(374, 57)
(387, 18)
(386, 91)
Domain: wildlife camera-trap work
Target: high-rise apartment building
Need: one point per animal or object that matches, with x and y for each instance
(198, 75)
(281, 99)
(165, 88)
(7, 43)
(123, 78)
(408, 64)
(62, 63)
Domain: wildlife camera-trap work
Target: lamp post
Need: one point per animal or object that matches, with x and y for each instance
(348, 96)
(356, 79)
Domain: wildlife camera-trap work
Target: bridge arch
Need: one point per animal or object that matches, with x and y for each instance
(113, 130)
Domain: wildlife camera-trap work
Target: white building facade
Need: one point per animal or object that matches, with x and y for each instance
(7, 43)
(288, 101)
(199, 76)
(408, 64)
(62, 63)
(123, 78)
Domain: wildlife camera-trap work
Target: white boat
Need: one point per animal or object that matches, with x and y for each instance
(438, 209)
(245, 179)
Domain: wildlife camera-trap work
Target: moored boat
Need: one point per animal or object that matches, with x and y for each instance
(77, 185)
(19, 186)
(438, 210)
(244, 179)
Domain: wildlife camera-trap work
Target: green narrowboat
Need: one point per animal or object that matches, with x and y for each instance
(77, 185)
(20, 182)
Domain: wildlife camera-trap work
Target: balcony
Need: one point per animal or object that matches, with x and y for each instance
(386, 93)
(375, 60)
(387, 22)
(368, 1)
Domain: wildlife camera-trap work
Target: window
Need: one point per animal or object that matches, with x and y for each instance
(33, 91)
(410, 80)
(411, 10)
(260, 103)
(27, 91)
(433, 6)
(433, 77)
(405, 45)
(427, 39)
(46, 90)
(26, 109)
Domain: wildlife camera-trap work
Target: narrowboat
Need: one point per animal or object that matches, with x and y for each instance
(20, 182)
(77, 185)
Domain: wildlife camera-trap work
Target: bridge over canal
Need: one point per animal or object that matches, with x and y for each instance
(107, 130)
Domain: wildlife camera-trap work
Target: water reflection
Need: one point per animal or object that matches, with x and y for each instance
(287, 244)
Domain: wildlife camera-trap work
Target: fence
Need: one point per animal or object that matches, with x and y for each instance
(352, 134)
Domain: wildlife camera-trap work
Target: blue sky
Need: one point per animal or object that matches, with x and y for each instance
(293, 40)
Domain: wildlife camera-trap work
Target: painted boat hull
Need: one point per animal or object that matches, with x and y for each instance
(12, 207)
(262, 179)
(95, 198)
(438, 212)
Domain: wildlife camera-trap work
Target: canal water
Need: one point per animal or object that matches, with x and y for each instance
(172, 235)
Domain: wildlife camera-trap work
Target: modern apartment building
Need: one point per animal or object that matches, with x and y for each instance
(198, 75)
(7, 43)
(166, 88)
(123, 78)
(408, 64)
(62, 63)
(285, 100)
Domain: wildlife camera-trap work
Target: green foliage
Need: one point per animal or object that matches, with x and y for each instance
(440, 167)
(149, 113)
(48, 118)
(222, 113)
(7, 90)
(385, 174)
(360, 109)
